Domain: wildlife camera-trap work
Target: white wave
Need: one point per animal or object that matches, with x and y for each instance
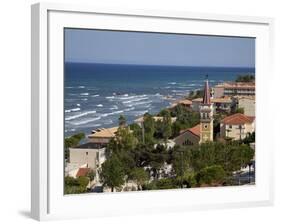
(95, 95)
(72, 110)
(114, 107)
(132, 97)
(135, 100)
(172, 83)
(110, 97)
(81, 87)
(99, 105)
(112, 113)
(86, 121)
(178, 91)
(79, 115)
(139, 103)
(85, 99)
(129, 109)
(78, 105)
(73, 129)
(84, 94)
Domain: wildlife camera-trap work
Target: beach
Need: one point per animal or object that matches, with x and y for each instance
(97, 94)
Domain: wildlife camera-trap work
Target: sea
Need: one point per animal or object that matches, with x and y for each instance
(95, 95)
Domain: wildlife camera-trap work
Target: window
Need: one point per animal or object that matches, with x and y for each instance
(205, 126)
(230, 126)
(86, 153)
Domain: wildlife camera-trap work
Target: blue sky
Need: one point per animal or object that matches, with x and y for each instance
(116, 47)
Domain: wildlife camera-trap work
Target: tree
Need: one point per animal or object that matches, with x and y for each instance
(124, 141)
(112, 174)
(167, 126)
(240, 110)
(211, 175)
(140, 176)
(75, 186)
(122, 121)
(149, 129)
(245, 78)
(91, 175)
(72, 141)
(83, 181)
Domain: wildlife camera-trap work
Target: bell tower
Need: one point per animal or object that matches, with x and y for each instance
(206, 116)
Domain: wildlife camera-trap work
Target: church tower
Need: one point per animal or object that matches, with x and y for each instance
(206, 116)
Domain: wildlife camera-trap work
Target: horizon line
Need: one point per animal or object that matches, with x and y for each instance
(131, 64)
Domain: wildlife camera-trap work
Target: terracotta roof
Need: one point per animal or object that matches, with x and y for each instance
(194, 130)
(206, 97)
(238, 119)
(104, 133)
(82, 172)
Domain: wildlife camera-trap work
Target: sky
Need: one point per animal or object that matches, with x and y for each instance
(120, 47)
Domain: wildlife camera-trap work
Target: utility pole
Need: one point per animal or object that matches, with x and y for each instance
(142, 129)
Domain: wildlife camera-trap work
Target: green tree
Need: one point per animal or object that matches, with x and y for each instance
(72, 141)
(122, 121)
(124, 141)
(91, 175)
(149, 128)
(140, 176)
(74, 186)
(83, 181)
(211, 175)
(245, 78)
(112, 174)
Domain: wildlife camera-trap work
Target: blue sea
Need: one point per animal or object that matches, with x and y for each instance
(97, 94)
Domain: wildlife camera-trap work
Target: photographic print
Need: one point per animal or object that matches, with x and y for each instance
(153, 111)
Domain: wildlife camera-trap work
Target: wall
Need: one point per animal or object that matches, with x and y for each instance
(15, 110)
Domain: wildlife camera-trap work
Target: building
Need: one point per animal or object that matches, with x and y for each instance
(237, 126)
(184, 102)
(202, 132)
(248, 103)
(89, 153)
(234, 89)
(206, 116)
(140, 120)
(189, 136)
(102, 136)
(219, 104)
(72, 169)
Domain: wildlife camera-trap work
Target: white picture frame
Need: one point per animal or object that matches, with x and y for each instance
(48, 201)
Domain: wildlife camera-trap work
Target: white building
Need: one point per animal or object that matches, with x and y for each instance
(237, 126)
(89, 154)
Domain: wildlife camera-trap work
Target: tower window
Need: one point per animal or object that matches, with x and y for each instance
(205, 126)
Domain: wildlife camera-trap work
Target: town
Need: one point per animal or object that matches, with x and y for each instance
(206, 139)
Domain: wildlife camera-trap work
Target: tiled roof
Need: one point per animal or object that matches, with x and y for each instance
(104, 133)
(82, 172)
(194, 130)
(238, 118)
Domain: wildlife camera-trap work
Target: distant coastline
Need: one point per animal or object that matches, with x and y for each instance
(96, 93)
